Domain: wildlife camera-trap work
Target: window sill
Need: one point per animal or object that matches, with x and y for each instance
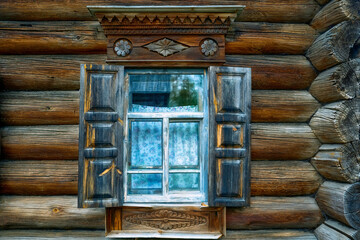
(165, 222)
(160, 234)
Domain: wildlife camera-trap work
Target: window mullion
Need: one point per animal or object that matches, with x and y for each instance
(166, 157)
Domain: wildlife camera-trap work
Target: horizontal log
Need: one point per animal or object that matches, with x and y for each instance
(275, 178)
(61, 72)
(40, 142)
(269, 38)
(282, 106)
(324, 232)
(54, 212)
(62, 107)
(61, 212)
(336, 83)
(39, 177)
(64, 37)
(37, 108)
(269, 142)
(98, 234)
(283, 178)
(44, 72)
(341, 202)
(45, 234)
(347, 231)
(335, 12)
(323, 2)
(86, 37)
(271, 212)
(336, 123)
(269, 234)
(282, 142)
(256, 10)
(275, 71)
(338, 162)
(333, 47)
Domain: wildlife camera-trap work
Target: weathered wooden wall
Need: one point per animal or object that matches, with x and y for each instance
(42, 45)
(335, 55)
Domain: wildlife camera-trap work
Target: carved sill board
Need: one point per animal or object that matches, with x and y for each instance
(160, 222)
(142, 234)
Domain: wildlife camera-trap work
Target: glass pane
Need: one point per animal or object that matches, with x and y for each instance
(146, 144)
(184, 144)
(145, 183)
(184, 181)
(165, 93)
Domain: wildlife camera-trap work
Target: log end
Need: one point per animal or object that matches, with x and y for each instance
(336, 123)
(352, 205)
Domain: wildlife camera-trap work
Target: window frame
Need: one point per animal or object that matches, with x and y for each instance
(176, 198)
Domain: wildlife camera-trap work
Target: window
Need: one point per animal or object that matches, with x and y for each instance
(164, 136)
(167, 137)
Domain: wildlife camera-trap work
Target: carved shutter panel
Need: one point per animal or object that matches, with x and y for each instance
(101, 136)
(229, 131)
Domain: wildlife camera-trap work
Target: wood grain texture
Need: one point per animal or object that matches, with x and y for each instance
(279, 178)
(99, 234)
(256, 10)
(348, 231)
(336, 123)
(59, 177)
(229, 109)
(341, 202)
(335, 12)
(283, 142)
(336, 83)
(333, 47)
(39, 177)
(40, 142)
(44, 72)
(61, 72)
(270, 234)
(324, 232)
(61, 212)
(282, 106)
(39, 108)
(268, 72)
(338, 162)
(275, 212)
(52, 212)
(53, 37)
(59, 142)
(269, 38)
(87, 37)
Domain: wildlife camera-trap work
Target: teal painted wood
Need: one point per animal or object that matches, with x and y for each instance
(229, 136)
(101, 136)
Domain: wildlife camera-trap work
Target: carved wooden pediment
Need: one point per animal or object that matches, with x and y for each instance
(166, 35)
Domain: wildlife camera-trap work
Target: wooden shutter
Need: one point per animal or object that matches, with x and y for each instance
(229, 134)
(101, 136)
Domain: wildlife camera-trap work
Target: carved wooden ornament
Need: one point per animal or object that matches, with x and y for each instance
(166, 35)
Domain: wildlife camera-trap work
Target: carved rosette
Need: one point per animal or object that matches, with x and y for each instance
(166, 219)
(209, 47)
(166, 47)
(122, 47)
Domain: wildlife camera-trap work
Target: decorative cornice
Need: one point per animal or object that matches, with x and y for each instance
(120, 25)
(197, 33)
(166, 219)
(164, 20)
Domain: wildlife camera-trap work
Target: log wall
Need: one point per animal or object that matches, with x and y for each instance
(41, 48)
(336, 123)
